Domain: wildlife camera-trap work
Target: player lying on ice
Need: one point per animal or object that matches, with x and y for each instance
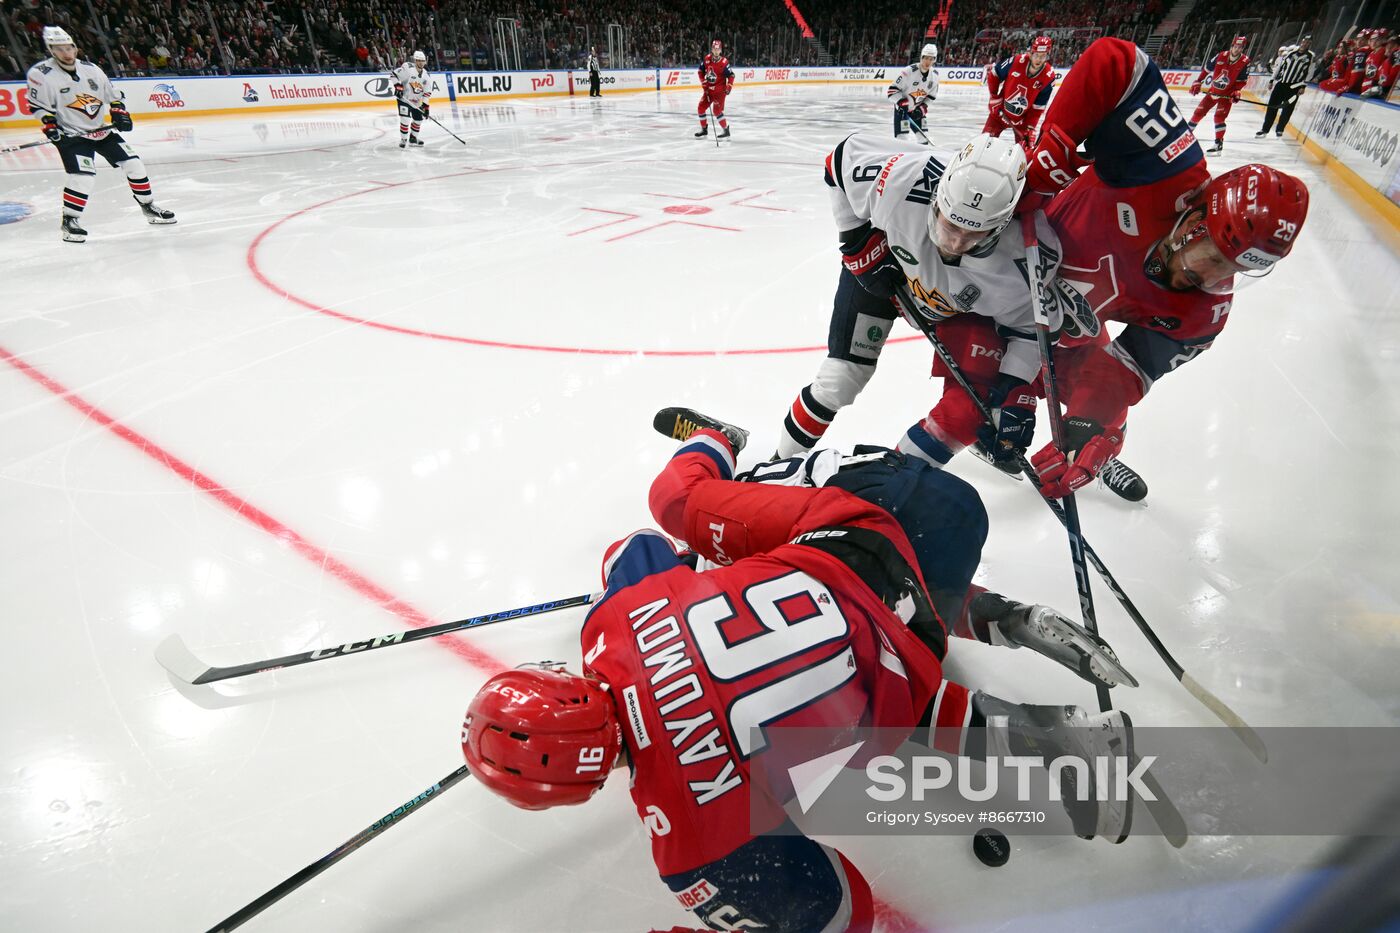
(818, 614)
(1149, 239)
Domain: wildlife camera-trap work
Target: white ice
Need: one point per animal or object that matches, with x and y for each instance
(352, 375)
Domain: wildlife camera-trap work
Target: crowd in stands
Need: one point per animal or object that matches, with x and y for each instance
(155, 37)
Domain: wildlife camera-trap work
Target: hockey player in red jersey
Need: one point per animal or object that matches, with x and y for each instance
(1375, 77)
(716, 81)
(1020, 88)
(817, 615)
(1338, 69)
(1149, 240)
(1223, 78)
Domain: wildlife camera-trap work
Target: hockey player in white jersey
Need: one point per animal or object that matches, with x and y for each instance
(932, 222)
(73, 100)
(412, 88)
(912, 89)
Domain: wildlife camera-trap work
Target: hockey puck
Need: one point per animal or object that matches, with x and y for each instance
(991, 847)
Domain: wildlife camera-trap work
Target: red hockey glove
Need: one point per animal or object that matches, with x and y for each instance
(1053, 164)
(1235, 97)
(865, 252)
(121, 119)
(729, 86)
(1096, 445)
(1196, 88)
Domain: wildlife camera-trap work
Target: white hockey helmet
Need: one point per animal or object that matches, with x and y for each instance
(930, 51)
(979, 189)
(419, 57)
(56, 35)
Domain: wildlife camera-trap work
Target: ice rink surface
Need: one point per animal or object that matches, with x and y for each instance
(358, 389)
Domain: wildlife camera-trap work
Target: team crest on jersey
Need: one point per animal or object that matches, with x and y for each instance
(1098, 286)
(1016, 105)
(86, 104)
(932, 304)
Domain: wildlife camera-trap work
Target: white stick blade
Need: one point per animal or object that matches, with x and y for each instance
(175, 656)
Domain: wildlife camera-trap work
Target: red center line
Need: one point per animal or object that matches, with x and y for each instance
(251, 513)
(888, 917)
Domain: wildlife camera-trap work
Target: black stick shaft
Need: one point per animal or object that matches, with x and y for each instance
(49, 142)
(1057, 433)
(378, 827)
(383, 641)
(445, 129)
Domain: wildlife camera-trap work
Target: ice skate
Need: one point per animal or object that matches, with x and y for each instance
(1050, 732)
(157, 215)
(680, 423)
(1123, 480)
(72, 233)
(1045, 631)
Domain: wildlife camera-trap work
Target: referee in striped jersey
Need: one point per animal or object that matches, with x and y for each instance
(1290, 77)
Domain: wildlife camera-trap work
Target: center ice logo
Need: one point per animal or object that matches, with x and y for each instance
(165, 97)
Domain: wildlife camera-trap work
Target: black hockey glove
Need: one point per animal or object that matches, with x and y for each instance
(121, 119)
(424, 107)
(51, 130)
(865, 252)
(398, 92)
(1013, 407)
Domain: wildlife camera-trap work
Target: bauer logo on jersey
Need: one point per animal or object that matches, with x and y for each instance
(86, 104)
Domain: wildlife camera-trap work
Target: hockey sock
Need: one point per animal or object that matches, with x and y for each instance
(948, 719)
(918, 442)
(403, 128)
(76, 189)
(805, 423)
(1220, 132)
(414, 128)
(136, 178)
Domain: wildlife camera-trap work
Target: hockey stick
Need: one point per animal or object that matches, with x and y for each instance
(1057, 434)
(920, 130)
(715, 117)
(50, 142)
(445, 129)
(1242, 729)
(176, 657)
(241, 916)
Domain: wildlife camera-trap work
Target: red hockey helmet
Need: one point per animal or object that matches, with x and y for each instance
(1240, 41)
(541, 737)
(1251, 216)
(1042, 44)
(716, 46)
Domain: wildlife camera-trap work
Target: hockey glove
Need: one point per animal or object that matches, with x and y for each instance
(865, 252)
(1054, 163)
(121, 119)
(424, 107)
(1235, 97)
(398, 92)
(51, 130)
(1196, 88)
(1013, 409)
(1096, 445)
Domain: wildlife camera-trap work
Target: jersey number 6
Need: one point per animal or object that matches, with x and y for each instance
(795, 614)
